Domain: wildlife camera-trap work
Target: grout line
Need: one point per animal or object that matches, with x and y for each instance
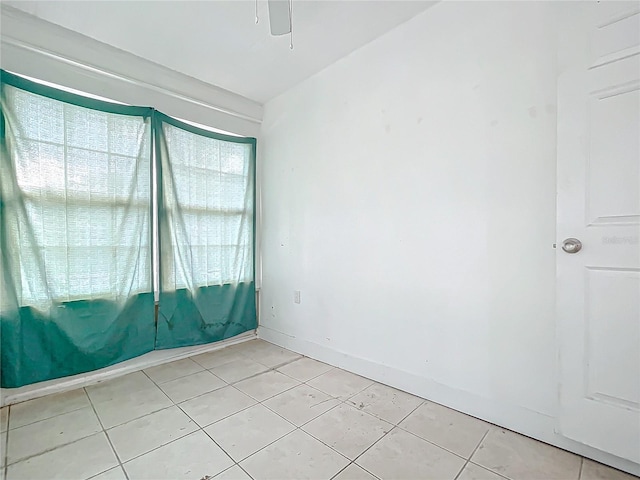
(340, 400)
(472, 454)
(105, 433)
(407, 415)
(342, 470)
(396, 425)
(581, 466)
(51, 449)
(274, 368)
(45, 418)
(242, 468)
(220, 447)
(223, 418)
(5, 454)
(489, 470)
(253, 453)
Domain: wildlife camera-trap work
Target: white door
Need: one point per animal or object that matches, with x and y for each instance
(599, 204)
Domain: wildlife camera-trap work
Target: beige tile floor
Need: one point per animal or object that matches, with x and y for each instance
(258, 411)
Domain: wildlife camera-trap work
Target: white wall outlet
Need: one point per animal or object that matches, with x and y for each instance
(296, 296)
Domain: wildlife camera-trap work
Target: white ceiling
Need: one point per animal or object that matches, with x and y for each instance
(218, 41)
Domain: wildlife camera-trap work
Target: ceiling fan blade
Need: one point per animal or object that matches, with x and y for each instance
(279, 17)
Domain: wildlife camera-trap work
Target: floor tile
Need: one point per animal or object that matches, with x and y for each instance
(448, 428)
(516, 456)
(257, 348)
(4, 418)
(301, 404)
(46, 407)
(113, 474)
(248, 431)
(170, 371)
(38, 437)
(354, 472)
(192, 457)
(233, 473)
(347, 429)
(126, 408)
(305, 369)
(119, 387)
(339, 383)
(248, 346)
(191, 386)
(475, 472)
(218, 357)
(296, 456)
(216, 405)
(151, 431)
(596, 471)
(272, 355)
(62, 463)
(239, 370)
(401, 455)
(266, 385)
(385, 402)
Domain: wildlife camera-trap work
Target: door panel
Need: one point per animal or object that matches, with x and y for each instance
(599, 203)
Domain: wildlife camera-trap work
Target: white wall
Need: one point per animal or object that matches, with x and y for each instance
(409, 194)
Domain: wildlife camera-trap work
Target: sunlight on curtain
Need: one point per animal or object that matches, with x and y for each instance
(78, 222)
(75, 206)
(208, 198)
(206, 235)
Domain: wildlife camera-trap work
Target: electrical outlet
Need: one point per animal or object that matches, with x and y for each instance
(296, 296)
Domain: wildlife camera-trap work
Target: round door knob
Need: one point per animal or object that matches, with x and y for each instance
(572, 245)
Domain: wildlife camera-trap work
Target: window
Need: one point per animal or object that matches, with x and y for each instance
(78, 219)
(208, 202)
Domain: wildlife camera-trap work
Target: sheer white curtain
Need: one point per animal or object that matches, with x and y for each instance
(208, 203)
(76, 184)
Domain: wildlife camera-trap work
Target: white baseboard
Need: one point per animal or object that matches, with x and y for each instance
(512, 417)
(9, 396)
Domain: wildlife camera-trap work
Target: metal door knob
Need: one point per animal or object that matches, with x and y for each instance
(572, 245)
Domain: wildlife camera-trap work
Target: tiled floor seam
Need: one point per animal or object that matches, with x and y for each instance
(5, 466)
(105, 433)
(279, 438)
(493, 471)
(345, 400)
(163, 445)
(48, 418)
(341, 470)
(251, 454)
(289, 433)
(219, 420)
(201, 428)
(303, 424)
(388, 432)
(275, 368)
(242, 468)
(472, 454)
(327, 411)
(341, 401)
(581, 467)
(48, 450)
(225, 452)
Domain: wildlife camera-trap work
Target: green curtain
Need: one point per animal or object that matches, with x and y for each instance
(75, 233)
(88, 191)
(206, 220)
